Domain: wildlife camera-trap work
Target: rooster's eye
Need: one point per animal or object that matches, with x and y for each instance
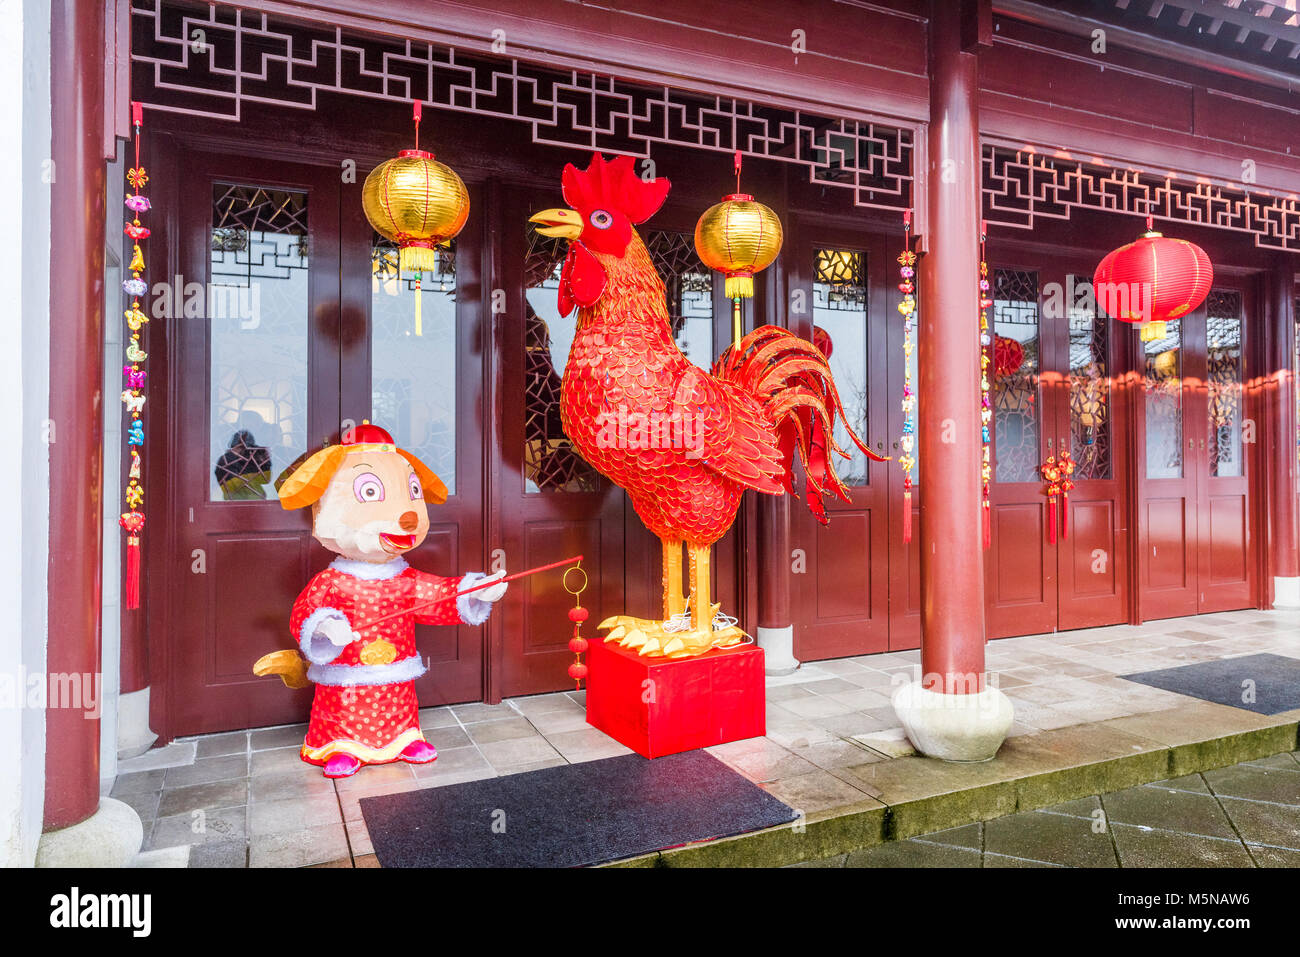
(601, 219)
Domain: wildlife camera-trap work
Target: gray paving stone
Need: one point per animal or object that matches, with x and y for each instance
(1148, 847)
(1258, 784)
(1182, 811)
(1052, 838)
(1259, 823)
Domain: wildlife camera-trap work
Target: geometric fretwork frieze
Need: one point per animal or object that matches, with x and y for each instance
(242, 57)
(1022, 187)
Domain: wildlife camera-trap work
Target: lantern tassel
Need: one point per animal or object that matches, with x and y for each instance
(417, 258)
(987, 523)
(1051, 519)
(1065, 516)
(132, 572)
(740, 287)
(907, 516)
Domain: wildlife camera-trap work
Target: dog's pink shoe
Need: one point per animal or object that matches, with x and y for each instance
(342, 766)
(419, 752)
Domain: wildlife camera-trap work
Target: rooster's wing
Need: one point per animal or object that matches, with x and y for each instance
(735, 437)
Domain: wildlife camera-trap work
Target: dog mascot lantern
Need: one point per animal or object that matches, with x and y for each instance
(355, 621)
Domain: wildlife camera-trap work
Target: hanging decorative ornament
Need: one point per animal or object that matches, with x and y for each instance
(418, 203)
(986, 400)
(577, 615)
(738, 237)
(133, 398)
(1153, 280)
(1066, 466)
(907, 442)
(1051, 470)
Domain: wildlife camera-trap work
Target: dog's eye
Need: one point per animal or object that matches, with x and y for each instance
(417, 493)
(601, 219)
(368, 488)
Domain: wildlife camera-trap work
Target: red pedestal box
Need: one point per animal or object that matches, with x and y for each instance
(659, 706)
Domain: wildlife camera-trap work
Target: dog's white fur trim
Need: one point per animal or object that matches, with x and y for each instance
(369, 571)
(320, 650)
(472, 609)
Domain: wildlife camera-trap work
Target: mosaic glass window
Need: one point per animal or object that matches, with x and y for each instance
(840, 331)
(551, 463)
(1016, 400)
(1224, 379)
(413, 372)
(1163, 399)
(1090, 391)
(256, 306)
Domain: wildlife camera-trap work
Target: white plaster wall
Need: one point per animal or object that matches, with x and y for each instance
(24, 397)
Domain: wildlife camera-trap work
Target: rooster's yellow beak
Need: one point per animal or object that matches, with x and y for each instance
(562, 223)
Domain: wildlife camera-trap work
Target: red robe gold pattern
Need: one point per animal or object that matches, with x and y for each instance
(365, 704)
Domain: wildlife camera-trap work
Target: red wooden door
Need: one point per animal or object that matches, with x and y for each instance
(304, 329)
(424, 385)
(1195, 519)
(1020, 565)
(552, 504)
(840, 601)
(254, 385)
(1055, 391)
(1091, 422)
(1224, 558)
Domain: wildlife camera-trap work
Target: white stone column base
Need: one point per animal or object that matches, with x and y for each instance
(133, 735)
(954, 727)
(111, 837)
(1286, 592)
(778, 650)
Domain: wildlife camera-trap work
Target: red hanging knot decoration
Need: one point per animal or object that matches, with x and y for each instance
(577, 615)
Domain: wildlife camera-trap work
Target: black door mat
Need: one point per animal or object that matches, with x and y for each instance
(569, 815)
(1265, 684)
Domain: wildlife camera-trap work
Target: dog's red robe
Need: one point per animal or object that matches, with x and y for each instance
(365, 703)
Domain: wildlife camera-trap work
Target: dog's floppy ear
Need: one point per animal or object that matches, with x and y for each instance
(308, 482)
(434, 489)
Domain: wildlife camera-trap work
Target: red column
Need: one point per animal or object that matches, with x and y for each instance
(952, 557)
(76, 371)
(1280, 396)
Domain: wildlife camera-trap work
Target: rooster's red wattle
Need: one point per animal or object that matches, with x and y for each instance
(683, 443)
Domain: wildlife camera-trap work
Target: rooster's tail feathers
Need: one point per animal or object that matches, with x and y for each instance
(792, 380)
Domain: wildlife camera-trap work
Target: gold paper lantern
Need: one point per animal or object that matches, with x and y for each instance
(738, 237)
(416, 202)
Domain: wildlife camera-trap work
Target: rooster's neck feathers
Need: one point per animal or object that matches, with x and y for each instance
(634, 293)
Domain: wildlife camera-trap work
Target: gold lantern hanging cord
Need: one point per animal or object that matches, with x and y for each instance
(738, 237)
(418, 203)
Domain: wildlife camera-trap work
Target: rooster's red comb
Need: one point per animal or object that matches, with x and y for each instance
(614, 185)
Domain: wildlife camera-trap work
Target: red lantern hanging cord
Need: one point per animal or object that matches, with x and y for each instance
(907, 442)
(577, 615)
(986, 400)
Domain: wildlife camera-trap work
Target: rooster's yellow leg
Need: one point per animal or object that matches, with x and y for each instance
(701, 636)
(674, 601)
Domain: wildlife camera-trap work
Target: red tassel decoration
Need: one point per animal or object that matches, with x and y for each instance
(987, 524)
(907, 516)
(133, 522)
(1051, 520)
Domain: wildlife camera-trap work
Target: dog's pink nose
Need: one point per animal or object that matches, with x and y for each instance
(409, 521)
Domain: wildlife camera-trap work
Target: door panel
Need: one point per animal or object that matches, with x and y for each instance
(255, 386)
(840, 603)
(1196, 554)
(1020, 564)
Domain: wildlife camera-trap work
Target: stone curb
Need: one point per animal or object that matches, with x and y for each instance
(854, 827)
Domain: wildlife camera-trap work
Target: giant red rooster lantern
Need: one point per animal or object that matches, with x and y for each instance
(683, 443)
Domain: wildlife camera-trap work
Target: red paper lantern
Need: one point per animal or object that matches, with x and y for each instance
(577, 671)
(577, 645)
(1008, 356)
(1153, 280)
